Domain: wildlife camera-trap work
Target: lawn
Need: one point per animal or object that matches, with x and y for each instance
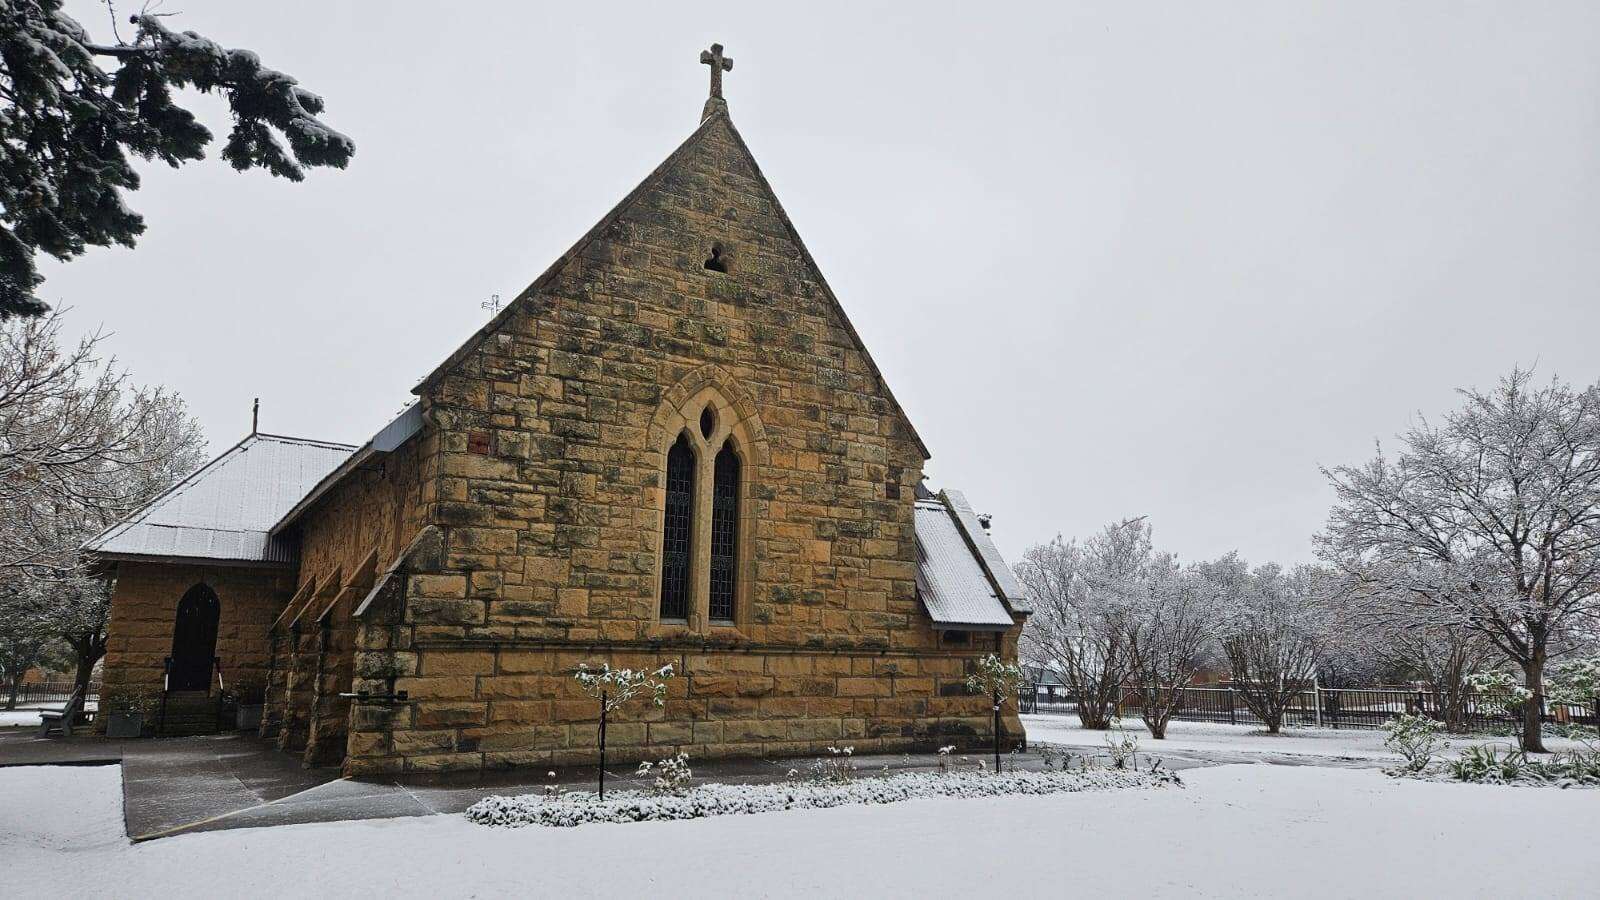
(1238, 830)
(1248, 742)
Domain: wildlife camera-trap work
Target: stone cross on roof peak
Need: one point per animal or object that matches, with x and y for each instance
(718, 64)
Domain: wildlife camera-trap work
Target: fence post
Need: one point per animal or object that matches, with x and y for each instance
(1316, 701)
(1232, 718)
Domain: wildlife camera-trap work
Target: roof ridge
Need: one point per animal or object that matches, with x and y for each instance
(301, 440)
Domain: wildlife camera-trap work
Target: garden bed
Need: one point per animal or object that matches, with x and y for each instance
(571, 809)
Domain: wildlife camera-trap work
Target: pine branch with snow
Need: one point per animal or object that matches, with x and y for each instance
(68, 126)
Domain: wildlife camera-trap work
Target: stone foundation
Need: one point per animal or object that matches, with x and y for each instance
(488, 707)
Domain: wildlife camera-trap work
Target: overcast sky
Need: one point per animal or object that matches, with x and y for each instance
(1114, 259)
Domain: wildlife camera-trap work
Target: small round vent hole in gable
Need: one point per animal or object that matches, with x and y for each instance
(718, 260)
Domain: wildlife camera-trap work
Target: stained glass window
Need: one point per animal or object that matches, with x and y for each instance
(724, 533)
(677, 535)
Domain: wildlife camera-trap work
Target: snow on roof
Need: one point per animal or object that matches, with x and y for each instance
(1005, 582)
(953, 577)
(225, 509)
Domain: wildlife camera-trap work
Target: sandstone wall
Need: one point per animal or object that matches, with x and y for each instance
(352, 533)
(144, 606)
(552, 434)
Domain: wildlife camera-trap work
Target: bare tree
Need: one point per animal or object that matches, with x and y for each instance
(1489, 522)
(24, 639)
(1081, 599)
(1274, 634)
(1171, 631)
(80, 446)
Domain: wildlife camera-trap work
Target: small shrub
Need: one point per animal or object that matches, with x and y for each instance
(672, 774)
(1048, 755)
(1575, 681)
(131, 698)
(1483, 764)
(1121, 745)
(1416, 739)
(1500, 689)
(835, 768)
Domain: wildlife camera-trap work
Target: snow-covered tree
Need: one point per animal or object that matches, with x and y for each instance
(1386, 636)
(613, 688)
(1489, 521)
(25, 641)
(1172, 630)
(80, 446)
(67, 126)
(1275, 631)
(1079, 626)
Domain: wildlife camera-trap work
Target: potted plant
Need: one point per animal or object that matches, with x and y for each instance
(251, 691)
(128, 707)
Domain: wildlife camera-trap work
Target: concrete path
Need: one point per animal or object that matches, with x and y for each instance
(180, 785)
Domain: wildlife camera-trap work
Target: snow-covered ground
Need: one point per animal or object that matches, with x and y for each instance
(28, 716)
(19, 718)
(1241, 830)
(1344, 743)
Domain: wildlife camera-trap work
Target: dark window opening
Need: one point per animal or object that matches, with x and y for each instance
(678, 527)
(717, 262)
(724, 533)
(708, 423)
(957, 638)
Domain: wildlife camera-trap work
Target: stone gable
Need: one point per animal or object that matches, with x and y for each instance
(552, 428)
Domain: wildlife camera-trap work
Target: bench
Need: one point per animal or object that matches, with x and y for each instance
(62, 719)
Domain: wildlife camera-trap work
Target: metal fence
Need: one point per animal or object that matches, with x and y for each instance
(44, 693)
(1324, 707)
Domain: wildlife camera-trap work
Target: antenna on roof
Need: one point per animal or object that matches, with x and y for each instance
(255, 416)
(492, 304)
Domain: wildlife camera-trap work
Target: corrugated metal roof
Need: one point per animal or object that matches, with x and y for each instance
(1010, 589)
(951, 579)
(389, 437)
(224, 510)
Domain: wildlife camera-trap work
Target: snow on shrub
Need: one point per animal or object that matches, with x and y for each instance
(1500, 689)
(1575, 681)
(1415, 738)
(729, 799)
(1485, 764)
(672, 774)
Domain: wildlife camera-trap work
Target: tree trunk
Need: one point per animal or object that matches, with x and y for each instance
(80, 681)
(16, 688)
(1533, 709)
(1274, 721)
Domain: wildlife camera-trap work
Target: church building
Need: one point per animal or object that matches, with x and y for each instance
(671, 447)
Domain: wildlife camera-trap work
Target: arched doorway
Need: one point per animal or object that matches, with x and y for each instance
(194, 639)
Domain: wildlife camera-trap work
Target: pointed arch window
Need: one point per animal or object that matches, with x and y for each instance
(724, 533)
(678, 531)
